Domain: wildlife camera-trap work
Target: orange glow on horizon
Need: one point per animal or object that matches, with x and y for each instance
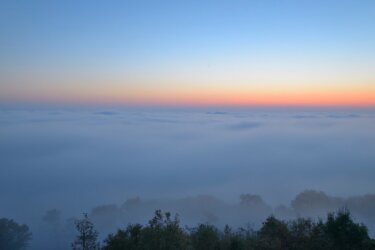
(231, 97)
(263, 99)
(212, 98)
(127, 92)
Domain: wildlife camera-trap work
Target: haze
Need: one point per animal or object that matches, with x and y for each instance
(117, 108)
(83, 157)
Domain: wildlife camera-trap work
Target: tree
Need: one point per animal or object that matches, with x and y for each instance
(52, 217)
(130, 238)
(254, 208)
(319, 238)
(314, 203)
(205, 237)
(161, 233)
(164, 233)
(274, 235)
(306, 235)
(87, 237)
(13, 236)
(232, 240)
(346, 234)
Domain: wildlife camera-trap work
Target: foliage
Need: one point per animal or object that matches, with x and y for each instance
(205, 237)
(345, 234)
(162, 232)
(274, 234)
(87, 235)
(338, 232)
(13, 236)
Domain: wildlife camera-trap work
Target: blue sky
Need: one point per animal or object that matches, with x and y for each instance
(163, 27)
(171, 41)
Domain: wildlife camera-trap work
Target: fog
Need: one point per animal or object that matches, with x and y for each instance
(196, 162)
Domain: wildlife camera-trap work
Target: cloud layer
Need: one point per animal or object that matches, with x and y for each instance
(77, 158)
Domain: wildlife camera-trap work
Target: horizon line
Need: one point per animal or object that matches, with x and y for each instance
(65, 104)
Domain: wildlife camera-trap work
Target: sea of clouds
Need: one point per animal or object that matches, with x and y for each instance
(76, 158)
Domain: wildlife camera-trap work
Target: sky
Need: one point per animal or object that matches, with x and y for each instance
(102, 101)
(308, 53)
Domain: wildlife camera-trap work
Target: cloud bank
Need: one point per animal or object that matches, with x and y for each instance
(77, 158)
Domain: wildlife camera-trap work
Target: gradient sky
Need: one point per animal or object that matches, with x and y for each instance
(188, 52)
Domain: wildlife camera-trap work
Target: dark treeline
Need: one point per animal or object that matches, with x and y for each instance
(251, 208)
(338, 232)
(164, 232)
(13, 236)
(54, 229)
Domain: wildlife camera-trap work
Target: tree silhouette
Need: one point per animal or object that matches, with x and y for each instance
(162, 232)
(274, 234)
(205, 237)
(346, 234)
(130, 238)
(13, 236)
(87, 235)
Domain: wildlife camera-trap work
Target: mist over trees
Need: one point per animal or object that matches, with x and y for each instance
(170, 153)
(164, 232)
(338, 231)
(56, 230)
